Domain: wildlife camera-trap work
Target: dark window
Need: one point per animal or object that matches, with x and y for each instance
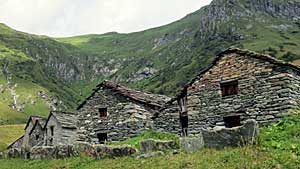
(52, 130)
(232, 121)
(229, 88)
(184, 121)
(37, 137)
(103, 112)
(102, 137)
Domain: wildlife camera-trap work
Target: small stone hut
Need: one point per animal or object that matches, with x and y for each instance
(31, 123)
(238, 85)
(114, 112)
(60, 129)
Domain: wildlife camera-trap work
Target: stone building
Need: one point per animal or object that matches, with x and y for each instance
(60, 129)
(114, 112)
(31, 123)
(237, 86)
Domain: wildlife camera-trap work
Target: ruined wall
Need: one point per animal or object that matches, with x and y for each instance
(36, 138)
(126, 118)
(265, 92)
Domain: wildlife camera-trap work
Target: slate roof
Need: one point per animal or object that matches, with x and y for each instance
(138, 96)
(242, 52)
(65, 119)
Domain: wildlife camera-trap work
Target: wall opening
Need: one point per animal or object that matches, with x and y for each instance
(52, 130)
(183, 115)
(102, 137)
(229, 88)
(37, 137)
(184, 121)
(102, 112)
(51, 135)
(232, 121)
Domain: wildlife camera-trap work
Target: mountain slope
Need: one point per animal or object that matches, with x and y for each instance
(59, 73)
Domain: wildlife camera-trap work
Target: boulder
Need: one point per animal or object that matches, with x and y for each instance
(231, 137)
(43, 152)
(191, 144)
(157, 145)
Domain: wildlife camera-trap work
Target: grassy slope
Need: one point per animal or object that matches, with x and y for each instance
(26, 90)
(279, 147)
(9, 133)
(19, 50)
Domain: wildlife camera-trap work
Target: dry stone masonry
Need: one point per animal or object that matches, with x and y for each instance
(114, 112)
(237, 86)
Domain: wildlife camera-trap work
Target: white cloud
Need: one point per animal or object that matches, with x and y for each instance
(75, 17)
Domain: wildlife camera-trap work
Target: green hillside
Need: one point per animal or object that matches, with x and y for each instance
(47, 72)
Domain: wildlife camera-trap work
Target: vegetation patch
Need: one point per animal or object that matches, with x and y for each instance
(149, 134)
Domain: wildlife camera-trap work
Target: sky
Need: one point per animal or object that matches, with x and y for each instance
(63, 18)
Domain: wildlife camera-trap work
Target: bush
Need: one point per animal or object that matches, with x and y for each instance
(284, 135)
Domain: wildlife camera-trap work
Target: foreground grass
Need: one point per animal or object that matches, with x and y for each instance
(9, 133)
(247, 157)
(278, 147)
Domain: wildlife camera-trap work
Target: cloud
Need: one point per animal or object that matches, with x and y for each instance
(75, 17)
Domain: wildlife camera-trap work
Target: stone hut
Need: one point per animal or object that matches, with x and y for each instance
(28, 130)
(114, 112)
(238, 85)
(60, 129)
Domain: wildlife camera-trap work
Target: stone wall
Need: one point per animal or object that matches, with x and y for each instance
(126, 118)
(265, 92)
(66, 151)
(54, 139)
(26, 135)
(167, 120)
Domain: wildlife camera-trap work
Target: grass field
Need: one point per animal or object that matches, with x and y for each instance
(9, 133)
(247, 157)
